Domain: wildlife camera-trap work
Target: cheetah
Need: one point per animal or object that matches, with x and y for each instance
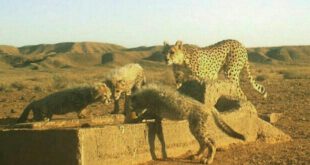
(69, 100)
(205, 63)
(125, 80)
(182, 74)
(166, 102)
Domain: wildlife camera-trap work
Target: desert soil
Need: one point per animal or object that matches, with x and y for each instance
(289, 95)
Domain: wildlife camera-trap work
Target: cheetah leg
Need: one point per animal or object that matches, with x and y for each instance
(201, 151)
(160, 135)
(116, 107)
(211, 151)
(195, 128)
(151, 139)
(127, 109)
(232, 73)
(198, 129)
(206, 144)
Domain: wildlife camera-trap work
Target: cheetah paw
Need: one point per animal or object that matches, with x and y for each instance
(206, 161)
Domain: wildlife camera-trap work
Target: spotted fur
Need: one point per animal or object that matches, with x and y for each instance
(206, 63)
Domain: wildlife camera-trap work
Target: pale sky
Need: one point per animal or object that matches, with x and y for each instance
(133, 23)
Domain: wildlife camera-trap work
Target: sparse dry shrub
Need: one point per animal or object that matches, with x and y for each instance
(59, 82)
(37, 89)
(282, 71)
(261, 77)
(18, 86)
(5, 88)
(34, 79)
(295, 75)
(259, 70)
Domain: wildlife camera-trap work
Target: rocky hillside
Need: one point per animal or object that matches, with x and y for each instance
(284, 54)
(59, 55)
(80, 54)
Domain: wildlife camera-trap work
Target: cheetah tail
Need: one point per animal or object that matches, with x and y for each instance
(25, 113)
(225, 127)
(258, 87)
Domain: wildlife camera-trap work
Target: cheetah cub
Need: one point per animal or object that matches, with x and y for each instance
(65, 101)
(125, 80)
(167, 103)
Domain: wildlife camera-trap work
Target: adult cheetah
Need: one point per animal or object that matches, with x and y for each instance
(205, 63)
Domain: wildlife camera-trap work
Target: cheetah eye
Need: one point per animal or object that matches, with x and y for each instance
(117, 91)
(171, 52)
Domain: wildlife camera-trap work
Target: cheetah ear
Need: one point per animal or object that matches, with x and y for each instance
(101, 87)
(179, 44)
(98, 85)
(104, 86)
(108, 83)
(97, 93)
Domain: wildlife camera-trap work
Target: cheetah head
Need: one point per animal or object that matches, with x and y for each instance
(117, 88)
(174, 54)
(39, 115)
(120, 85)
(103, 93)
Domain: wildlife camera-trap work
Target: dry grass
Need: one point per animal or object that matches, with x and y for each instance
(9, 87)
(262, 77)
(5, 87)
(295, 73)
(59, 82)
(18, 86)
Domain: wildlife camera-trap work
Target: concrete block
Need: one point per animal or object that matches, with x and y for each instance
(87, 122)
(108, 144)
(119, 143)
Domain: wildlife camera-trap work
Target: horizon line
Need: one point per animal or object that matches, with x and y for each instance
(142, 45)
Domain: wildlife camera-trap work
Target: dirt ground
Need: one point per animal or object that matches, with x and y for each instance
(288, 93)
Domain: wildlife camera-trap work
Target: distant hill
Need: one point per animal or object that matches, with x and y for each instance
(125, 56)
(69, 47)
(6, 49)
(283, 54)
(80, 54)
(60, 55)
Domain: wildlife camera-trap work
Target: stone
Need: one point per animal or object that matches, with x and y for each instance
(271, 117)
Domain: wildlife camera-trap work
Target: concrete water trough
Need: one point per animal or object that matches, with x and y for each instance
(104, 140)
(88, 143)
